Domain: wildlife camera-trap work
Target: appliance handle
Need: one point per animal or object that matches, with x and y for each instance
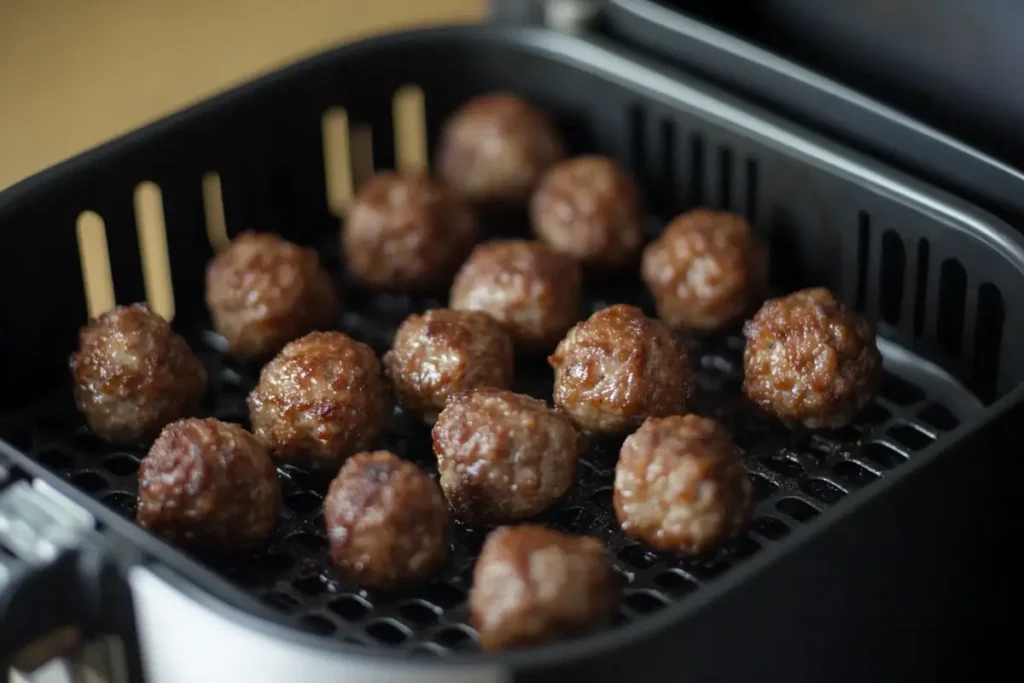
(61, 587)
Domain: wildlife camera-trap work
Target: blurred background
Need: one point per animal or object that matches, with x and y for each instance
(74, 73)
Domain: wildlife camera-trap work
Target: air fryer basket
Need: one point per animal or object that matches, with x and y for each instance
(846, 521)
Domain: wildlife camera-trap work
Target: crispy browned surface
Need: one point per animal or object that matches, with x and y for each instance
(619, 367)
(496, 148)
(589, 208)
(680, 486)
(209, 485)
(321, 399)
(532, 584)
(503, 456)
(387, 522)
(809, 360)
(531, 290)
(133, 374)
(263, 291)
(706, 270)
(406, 230)
(443, 352)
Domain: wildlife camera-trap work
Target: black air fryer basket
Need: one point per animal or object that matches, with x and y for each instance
(868, 555)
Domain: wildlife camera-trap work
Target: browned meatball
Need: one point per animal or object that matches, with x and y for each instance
(496, 148)
(589, 208)
(387, 522)
(706, 270)
(531, 290)
(680, 486)
(321, 399)
(405, 231)
(532, 585)
(443, 352)
(210, 486)
(133, 374)
(263, 291)
(619, 367)
(810, 361)
(503, 456)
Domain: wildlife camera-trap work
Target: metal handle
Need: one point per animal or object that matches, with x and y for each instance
(59, 586)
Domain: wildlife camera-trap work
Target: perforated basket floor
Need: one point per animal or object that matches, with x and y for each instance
(796, 476)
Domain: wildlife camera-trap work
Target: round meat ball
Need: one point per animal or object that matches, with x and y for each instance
(589, 208)
(495, 149)
(321, 399)
(532, 291)
(706, 270)
(810, 361)
(133, 375)
(263, 291)
(618, 368)
(503, 456)
(443, 352)
(387, 522)
(210, 486)
(680, 486)
(533, 585)
(406, 231)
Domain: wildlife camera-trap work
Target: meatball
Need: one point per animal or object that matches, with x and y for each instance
(444, 352)
(495, 149)
(588, 208)
(133, 375)
(810, 361)
(531, 290)
(680, 485)
(503, 456)
(706, 270)
(321, 399)
(619, 367)
(406, 231)
(263, 291)
(387, 522)
(532, 584)
(210, 486)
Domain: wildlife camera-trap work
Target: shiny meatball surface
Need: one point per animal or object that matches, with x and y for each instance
(619, 367)
(706, 270)
(533, 585)
(810, 361)
(444, 352)
(133, 374)
(533, 291)
(589, 208)
(405, 230)
(387, 523)
(496, 148)
(210, 486)
(263, 291)
(321, 399)
(680, 486)
(503, 456)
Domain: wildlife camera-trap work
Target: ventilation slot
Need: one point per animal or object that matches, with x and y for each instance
(952, 297)
(337, 160)
(890, 277)
(863, 251)
(724, 178)
(696, 170)
(751, 186)
(409, 115)
(988, 339)
(95, 258)
(668, 182)
(213, 206)
(156, 265)
(921, 289)
(638, 143)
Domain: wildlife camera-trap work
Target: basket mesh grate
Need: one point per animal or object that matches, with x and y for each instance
(796, 476)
